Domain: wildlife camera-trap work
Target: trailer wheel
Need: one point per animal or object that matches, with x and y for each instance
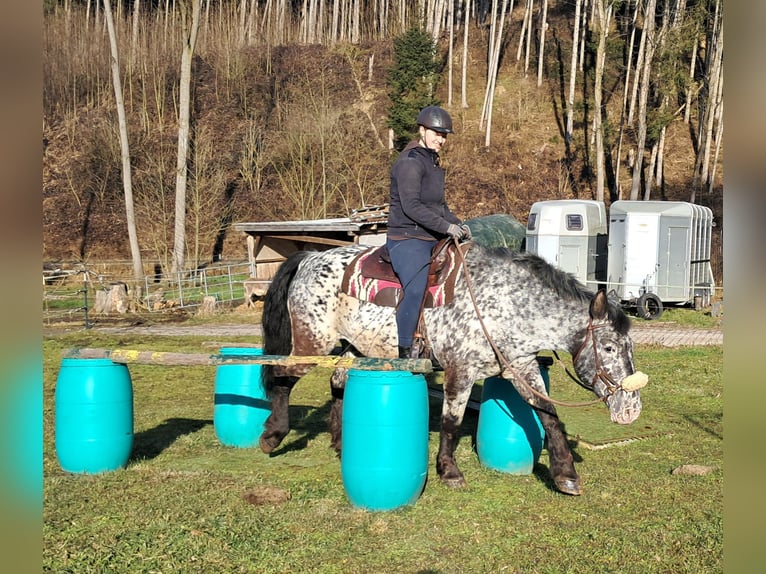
(649, 306)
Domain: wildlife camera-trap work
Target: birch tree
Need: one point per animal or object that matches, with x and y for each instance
(711, 99)
(573, 73)
(603, 17)
(127, 182)
(464, 84)
(643, 96)
(490, 93)
(190, 16)
(541, 54)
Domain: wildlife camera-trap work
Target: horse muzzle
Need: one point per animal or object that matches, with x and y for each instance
(625, 404)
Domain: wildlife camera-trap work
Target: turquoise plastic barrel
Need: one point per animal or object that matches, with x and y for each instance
(384, 459)
(94, 415)
(509, 436)
(241, 406)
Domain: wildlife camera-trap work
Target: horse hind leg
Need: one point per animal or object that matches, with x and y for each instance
(277, 425)
(335, 419)
(453, 410)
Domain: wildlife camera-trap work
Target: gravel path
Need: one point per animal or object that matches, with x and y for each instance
(664, 334)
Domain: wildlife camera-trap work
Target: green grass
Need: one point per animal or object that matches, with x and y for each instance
(179, 505)
(685, 317)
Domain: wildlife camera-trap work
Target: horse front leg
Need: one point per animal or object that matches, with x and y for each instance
(560, 459)
(453, 410)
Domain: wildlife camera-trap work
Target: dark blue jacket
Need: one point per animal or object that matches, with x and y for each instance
(417, 206)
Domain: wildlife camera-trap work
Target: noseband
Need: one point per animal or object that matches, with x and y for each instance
(601, 374)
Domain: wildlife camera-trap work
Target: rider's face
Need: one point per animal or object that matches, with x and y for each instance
(431, 139)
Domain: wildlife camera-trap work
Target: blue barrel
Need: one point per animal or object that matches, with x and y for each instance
(384, 459)
(509, 436)
(94, 415)
(240, 403)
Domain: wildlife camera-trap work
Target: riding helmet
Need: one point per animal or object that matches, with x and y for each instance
(436, 119)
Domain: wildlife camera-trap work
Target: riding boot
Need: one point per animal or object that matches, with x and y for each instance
(404, 352)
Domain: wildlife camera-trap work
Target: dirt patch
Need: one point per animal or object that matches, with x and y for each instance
(266, 496)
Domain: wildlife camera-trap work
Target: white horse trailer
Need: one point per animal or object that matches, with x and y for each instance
(571, 234)
(659, 252)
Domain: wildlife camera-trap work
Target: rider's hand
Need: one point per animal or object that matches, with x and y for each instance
(466, 232)
(455, 231)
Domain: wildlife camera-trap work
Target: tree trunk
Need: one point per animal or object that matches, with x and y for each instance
(603, 18)
(490, 56)
(451, 24)
(127, 182)
(639, 67)
(190, 20)
(573, 73)
(134, 32)
(690, 87)
(528, 48)
(464, 86)
(711, 101)
(541, 53)
(493, 79)
(643, 97)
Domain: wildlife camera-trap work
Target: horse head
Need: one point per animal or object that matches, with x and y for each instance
(604, 360)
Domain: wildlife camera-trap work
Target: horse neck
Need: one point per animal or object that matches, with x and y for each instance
(576, 321)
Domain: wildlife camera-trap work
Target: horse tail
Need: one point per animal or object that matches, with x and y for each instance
(275, 319)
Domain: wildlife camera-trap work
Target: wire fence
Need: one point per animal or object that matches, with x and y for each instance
(77, 292)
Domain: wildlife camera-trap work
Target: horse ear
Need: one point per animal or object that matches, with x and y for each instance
(598, 306)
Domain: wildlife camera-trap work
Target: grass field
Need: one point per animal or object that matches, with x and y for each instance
(185, 503)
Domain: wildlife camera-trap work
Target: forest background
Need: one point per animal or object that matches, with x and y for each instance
(291, 108)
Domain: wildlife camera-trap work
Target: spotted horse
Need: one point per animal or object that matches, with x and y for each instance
(507, 307)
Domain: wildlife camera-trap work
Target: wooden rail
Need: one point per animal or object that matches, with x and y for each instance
(170, 359)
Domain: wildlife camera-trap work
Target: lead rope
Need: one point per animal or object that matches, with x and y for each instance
(504, 363)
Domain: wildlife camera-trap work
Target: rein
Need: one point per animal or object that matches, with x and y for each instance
(612, 386)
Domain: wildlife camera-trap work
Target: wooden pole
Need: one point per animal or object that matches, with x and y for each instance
(169, 359)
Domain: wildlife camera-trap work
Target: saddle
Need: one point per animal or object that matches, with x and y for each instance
(371, 277)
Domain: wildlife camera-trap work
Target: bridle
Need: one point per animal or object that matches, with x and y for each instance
(601, 374)
(509, 372)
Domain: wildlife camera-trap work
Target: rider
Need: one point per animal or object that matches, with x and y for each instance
(419, 217)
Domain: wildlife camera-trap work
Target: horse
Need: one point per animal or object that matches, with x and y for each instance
(507, 307)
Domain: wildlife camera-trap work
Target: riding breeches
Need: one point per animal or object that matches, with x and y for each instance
(410, 259)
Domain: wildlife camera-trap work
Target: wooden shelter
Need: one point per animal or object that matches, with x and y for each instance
(269, 243)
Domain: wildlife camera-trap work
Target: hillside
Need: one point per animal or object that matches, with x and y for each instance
(294, 114)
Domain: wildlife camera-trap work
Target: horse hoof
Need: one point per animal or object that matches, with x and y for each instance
(267, 446)
(568, 486)
(456, 482)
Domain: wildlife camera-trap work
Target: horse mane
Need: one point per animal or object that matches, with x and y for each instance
(564, 284)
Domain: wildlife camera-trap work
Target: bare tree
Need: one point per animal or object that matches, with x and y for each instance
(190, 12)
(134, 32)
(573, 73)
(711, 102)
(643, 96)
(541, 53)
(601, 23)
(626, 90)
(451, 25)
(490, 93)
(464, 85)
(127, 182)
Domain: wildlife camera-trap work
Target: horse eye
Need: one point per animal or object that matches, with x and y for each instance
(608, 348)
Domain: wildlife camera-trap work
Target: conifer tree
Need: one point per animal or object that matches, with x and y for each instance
(411, 82)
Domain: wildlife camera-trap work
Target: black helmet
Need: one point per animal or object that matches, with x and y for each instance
(436, 119)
